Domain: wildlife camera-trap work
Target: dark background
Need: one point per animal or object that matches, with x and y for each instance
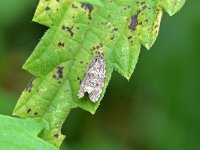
(158, 109)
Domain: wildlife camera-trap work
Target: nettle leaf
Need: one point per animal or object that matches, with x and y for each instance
(78, 29)
(18, 134)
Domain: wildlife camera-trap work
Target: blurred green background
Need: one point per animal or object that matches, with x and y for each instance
(158, 109)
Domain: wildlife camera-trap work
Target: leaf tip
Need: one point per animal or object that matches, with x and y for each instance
(173, 6)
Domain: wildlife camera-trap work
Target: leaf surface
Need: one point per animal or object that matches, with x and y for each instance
(18, 134)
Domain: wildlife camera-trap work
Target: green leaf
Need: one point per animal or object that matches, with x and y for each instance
(18, 134)
(76, 31)
(172, 6)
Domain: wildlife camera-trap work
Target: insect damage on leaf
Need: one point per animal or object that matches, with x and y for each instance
(93, 81)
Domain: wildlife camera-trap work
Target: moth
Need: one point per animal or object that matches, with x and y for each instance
(93, 80)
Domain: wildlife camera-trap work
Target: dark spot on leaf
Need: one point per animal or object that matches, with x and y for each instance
(63, 27)
(113, 33)
(28, 110)
(104, 23)
(74, 6)
(60, 72)
(129, 37)
(61, 44)
(97, 47)
(36, 113)
(101, 44)
(56, 135)
(156, 26)
(144, 7)
(88, 7)
(112, 38)
(54, 76)
(134, 22)
(48, 8)
(134, 18)
(115, 29)
(69, 29)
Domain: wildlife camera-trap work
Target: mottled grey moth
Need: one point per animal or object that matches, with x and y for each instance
(93, 80)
